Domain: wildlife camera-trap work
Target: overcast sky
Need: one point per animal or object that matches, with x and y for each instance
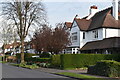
(66, 11)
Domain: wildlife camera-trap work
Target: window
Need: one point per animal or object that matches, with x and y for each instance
(83, 35)
(74, 36)
(95, 34)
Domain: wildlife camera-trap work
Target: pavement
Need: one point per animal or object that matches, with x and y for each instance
(51, 70)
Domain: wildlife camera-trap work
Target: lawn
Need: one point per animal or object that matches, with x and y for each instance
(82, 76)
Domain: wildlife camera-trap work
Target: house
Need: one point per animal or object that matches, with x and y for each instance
(13, 48)
(97, 27)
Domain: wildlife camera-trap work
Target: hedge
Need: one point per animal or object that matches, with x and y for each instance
(35, 60)
(107, 68)
(1, 58)
(26, 55)
(56, 61)
(69, 61)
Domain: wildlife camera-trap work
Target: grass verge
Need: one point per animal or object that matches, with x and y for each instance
(82, 76)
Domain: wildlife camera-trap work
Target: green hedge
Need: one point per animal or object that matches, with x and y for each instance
(56, 61)
(1, 58)
(69, 61)
(35, 60)
(45, 55)
(27, 55)
(107, 68)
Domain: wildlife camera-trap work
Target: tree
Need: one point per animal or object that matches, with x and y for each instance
(42, 39)
(24, 15)
(60, 38)
(51, 40)
(6, 34)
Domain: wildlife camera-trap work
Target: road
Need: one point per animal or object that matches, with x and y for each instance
(9, 71)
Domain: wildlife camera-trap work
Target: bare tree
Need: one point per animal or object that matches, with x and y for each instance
(51, 40)
(6, 34)
(24, 15)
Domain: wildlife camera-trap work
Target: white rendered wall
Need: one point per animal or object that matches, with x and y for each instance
(73, 30)
(89, 36)
(102, 33)
(112, 33)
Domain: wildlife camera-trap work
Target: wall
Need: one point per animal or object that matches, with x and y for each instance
(74, 29)
(112, 32)
(89, 36)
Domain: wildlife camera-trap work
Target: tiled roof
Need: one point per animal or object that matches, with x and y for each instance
(113, 42)
(83, 24)
(68, 24)
(104, 19)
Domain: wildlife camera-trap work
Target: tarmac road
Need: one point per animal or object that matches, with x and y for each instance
(16, 73)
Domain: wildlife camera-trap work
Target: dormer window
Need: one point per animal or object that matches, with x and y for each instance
(95, 34)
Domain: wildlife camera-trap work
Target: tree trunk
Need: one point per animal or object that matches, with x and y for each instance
(3, 52)
(22, 50)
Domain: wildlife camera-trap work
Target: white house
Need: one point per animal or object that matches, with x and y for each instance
(97, 26)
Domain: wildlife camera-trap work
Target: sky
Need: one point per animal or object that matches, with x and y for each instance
(58, 12)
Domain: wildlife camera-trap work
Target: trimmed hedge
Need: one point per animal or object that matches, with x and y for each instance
(35, 60)
(26, 55)
(69, 61)
(1, 58)
(107, 68)
(45, 55)
(56, 61)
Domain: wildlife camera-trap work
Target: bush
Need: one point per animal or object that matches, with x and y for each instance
(45, 65)
(45, 55)
(26, 55)
(33, 66)
(35, 60)
(56, 61)
(107, 68)
(70, 61)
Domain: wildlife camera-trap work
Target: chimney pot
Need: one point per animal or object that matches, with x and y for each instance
(93, 7)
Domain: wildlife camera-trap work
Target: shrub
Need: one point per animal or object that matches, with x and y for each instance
(27, 55)
(33, 66)
(106, 68)
(45, 65)
(40, 60)
(56, 61)
(45, 55)
(1, 58)
(69, 61)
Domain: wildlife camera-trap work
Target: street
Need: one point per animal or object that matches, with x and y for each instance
(9, 71)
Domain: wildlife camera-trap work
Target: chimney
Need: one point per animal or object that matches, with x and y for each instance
(115, 9)
(93, 10)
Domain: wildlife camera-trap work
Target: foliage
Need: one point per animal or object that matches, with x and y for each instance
(45, 65)
(27, 55)
(45, 55)
(70, 61)
(56, 61)
(33, 66)
(51, 40)
(108, 68)
(39, 60)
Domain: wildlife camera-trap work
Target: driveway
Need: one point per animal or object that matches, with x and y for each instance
(13, 72)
